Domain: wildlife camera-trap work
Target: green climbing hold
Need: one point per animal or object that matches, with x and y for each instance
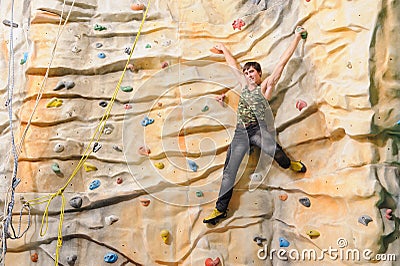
(127, 89)
(148, 46)
(199, 194)
(56, 168)
(99, 27)
(205, 108)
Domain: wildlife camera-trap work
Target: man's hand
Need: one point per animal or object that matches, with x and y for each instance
(300, 32)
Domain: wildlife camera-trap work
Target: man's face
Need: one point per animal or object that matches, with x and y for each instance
(252, 76)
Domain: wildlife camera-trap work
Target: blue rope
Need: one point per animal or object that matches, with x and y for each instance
(15, 180)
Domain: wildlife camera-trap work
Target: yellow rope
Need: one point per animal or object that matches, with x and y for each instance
(96, 136)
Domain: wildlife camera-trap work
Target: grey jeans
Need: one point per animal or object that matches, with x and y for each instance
(244, 137)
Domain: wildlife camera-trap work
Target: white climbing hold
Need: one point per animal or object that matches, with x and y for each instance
(109, 220)
(58, 148)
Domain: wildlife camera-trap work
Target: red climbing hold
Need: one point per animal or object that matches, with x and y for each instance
(127, 106)
(119, 180)
(34, 257)
(308, 0)
(164, 65)
(238, 24)
(300, 104)
(211, 262)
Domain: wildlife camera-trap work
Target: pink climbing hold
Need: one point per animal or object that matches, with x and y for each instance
(211, 262)
(238, 24)
(144, 151)
(164, 65)
(388, 214)
(300, 104)
(221, 99)
(127, 106)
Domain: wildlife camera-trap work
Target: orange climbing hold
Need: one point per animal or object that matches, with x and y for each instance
(34, 257)
(216, 51)
(211, 262)
(283, 197)
(137, 7)
(145, 202)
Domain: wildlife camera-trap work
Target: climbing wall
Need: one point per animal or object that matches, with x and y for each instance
(141, 194)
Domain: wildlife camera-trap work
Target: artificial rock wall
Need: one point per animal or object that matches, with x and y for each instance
(346, 71)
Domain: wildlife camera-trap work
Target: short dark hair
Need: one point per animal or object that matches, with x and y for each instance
(253, 64)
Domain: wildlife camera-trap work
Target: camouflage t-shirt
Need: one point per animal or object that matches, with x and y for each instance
(252, 106)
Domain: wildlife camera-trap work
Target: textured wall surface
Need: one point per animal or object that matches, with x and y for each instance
(347, 71)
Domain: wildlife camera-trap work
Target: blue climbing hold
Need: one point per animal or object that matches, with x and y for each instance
(94, 184)
(110, 257)
(101, 55)
(398, 123)
(283, 243)
(23, 61)
(305, 201)
(193, 165)
(147, 121)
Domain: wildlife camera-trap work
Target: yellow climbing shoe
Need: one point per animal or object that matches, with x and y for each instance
(298, 166)
(54, 102)
(214, 217)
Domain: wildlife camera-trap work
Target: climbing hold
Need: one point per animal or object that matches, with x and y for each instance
(159, 114)
(259, 240)
(283, 243)
(110, 257)
(56, 168)
(300, 104)
(308, 0)
(96, 147)
(166, 43)
(115, 147)
(143, 150)
(147, 46)
(137, 7)
(23, 60)
(54, 102)
(159, 104)
(147, 121)
(164, 235)
(388, 214)
(193, 166)
(305, 201)
(365, 220)
(221, 99)
(64, 84)
(131, 68)
(349, 65)
(128, 50)
(58, 147)
(164, 65)
(76, 202)
(8, 23)
(89, 167)
(313, 233)
(75, 49)
(99, 45)
(283, 197)
(211, 262)
(101, 55)
(159, 165)
(109, 220)
(205, 108)
(238, 24)
(199, 194)
(303, 34)
(108, 129)
(216, 51)
(398, 123)
(127, 89)
(99, 27)
(144, 202)
(34, 257)
(127, 106)
(94, 184)
(72, 259)
(103, 104)
(119, 180)
(255, 177)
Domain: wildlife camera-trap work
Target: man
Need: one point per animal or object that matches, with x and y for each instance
(252, 128)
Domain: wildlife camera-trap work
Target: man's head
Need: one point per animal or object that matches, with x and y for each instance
(252, 71)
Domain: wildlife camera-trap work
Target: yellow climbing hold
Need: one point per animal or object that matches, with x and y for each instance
(313, 233)
(164, 235)
(54, 102)
(159, 165)
(89, 167)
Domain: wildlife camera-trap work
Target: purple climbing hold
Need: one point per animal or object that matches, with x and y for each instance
(72, 259)
(365, 220)
(305, 201)
(76, 202)
(64, 84)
